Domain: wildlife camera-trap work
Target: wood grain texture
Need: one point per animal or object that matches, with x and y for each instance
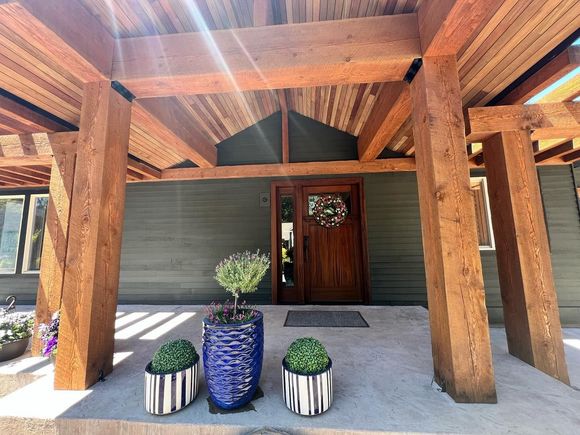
(270, 57)
(546, 76)
(263, 13)
(94, 249)
(17, 118)
(142, 17)
(55, 242)
(557, 151)
(528, 291)
(446, 26)
(147, 171)
(457, 311)
(87, 50)
(389, 113)
(168, 116)
(549, 120)
(291, 169)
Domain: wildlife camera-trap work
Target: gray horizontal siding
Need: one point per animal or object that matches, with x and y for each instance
(176, 233)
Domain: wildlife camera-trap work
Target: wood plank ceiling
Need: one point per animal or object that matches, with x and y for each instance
(519, 34)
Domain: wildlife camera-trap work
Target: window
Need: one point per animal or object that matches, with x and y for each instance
(35, 233)
(11, 208)
(482, 213)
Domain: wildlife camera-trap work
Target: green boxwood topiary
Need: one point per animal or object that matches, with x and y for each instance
(307, 356)
(173, 357)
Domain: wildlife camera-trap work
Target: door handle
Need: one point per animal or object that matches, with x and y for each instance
(306, 240)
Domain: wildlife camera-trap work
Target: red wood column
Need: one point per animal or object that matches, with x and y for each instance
(89, 300)
(55, 236)
(457, 312)
(530, 305)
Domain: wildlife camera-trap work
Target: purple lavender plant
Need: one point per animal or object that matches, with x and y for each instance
(220, 314)
(49, 335)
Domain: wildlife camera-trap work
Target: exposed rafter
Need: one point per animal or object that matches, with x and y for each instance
(389, 113)
(549, 74)
(372, 49)
(167, 118)
(558, 151)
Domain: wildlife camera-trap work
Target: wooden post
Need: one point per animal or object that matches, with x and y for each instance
(457, 312)
(55, 236)
(86, 335)
(528, 293)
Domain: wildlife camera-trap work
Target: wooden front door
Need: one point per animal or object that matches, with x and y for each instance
(332, 256)
(312, 263)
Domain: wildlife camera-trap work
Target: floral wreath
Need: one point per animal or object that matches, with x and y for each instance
(330, 211)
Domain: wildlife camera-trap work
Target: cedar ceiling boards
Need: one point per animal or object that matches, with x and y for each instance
(519, 34)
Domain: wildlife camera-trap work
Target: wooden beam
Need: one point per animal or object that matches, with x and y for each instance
(89, 300)
(167, 119)
(25, 147)
(263, 13)
(63, 31)
(67, 34)
(148, 171)
(55, 241)
(359, 50)
(389, 113)
(571, 157)
(25, 116)
(457, 312)
(291, 169)
(285, 132)
(549, 74)
(557, 151)
(446, 26)
(21, 170)
(530, 305)
(549, 121)
(24, 179)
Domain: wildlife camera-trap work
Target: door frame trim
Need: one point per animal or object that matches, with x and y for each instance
(275, 230)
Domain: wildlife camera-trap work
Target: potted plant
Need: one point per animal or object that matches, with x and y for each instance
(171, 378)
(233, 335)
(15, 332)
(49, 336)
(307, 377)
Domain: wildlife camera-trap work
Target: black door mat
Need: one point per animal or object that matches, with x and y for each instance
(325, 319)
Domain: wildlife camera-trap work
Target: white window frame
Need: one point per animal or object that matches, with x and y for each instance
(483, 181)
(23, 197)
(28, 237)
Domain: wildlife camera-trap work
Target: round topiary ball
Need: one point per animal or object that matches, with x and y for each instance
(307, 356)
(174, 356)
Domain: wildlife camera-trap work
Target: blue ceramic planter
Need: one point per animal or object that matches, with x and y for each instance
(232, 361)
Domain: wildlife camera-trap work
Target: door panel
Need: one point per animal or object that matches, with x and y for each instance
(331, 263)
(332, 256)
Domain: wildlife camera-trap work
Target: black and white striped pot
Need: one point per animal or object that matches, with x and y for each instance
(307, 394)
(168, 393)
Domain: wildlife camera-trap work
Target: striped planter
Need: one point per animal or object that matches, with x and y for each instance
(168, 393)
(307, 394)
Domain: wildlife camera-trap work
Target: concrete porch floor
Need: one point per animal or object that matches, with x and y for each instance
(382, 378)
